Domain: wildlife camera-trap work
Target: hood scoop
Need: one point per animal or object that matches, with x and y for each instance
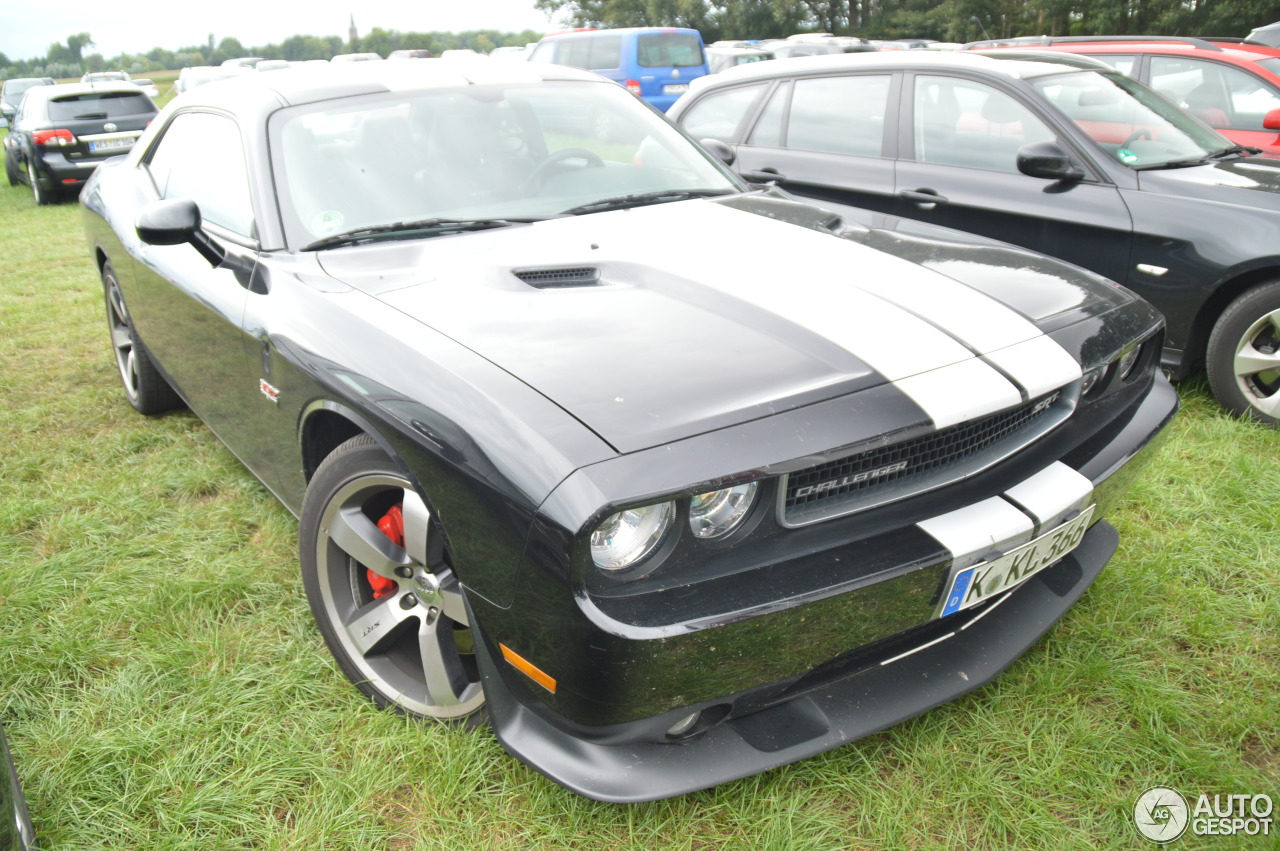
(568, 276)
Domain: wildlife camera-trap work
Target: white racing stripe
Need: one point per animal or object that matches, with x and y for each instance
(889, 312)
(981, 528)
(1051, 494)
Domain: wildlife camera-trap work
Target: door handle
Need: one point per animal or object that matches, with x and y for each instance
(925, 199)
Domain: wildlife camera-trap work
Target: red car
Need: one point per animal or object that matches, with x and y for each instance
(1229, 84)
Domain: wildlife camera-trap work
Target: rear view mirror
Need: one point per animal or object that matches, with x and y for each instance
(1048, 160)
(719, 150)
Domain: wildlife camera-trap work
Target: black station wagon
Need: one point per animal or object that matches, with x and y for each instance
(565, 461)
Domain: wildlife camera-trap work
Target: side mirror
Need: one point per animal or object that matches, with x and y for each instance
(176, 222)
(719, 150)
(1271, 121)
(1048, 160)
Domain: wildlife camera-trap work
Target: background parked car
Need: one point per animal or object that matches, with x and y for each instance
(63, 132)
(106, 77)
(1056, 152)
(653, 63)
(198, 75)
(720, 58)
(12, 90)
(1233, 87)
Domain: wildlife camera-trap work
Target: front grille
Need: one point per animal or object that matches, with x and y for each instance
(887, 473)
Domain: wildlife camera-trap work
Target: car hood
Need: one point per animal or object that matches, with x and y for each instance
(662, 322)
(1249, 181)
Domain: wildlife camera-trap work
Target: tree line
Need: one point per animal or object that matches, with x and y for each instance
(945, 20)
(70, 59)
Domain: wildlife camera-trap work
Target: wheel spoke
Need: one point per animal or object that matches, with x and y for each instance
(358, 537)
(373, 623)
(417, 519)
(446, 681)
(1269, 405)
(1250, 361)
(451, 601)
(120, 338)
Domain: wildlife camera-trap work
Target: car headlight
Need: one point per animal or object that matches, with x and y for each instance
(625, 538)
(1124, 367)
(715, 514)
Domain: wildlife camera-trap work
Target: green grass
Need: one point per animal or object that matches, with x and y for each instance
(164, 687)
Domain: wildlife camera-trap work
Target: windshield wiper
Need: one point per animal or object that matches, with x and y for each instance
(1233, 151)
(640, 199)
(430, 227)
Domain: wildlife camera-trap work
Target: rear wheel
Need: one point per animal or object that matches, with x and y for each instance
(1243, 359)
(41, 197)
(144, 387)
(383, 591)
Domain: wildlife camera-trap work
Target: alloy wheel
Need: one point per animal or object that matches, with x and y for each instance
(1257, 364)
(395, 609)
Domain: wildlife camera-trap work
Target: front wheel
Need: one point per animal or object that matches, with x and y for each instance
(11, 170)
(382, 590)
(1243, 359)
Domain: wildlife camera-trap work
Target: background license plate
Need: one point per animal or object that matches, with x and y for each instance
(975, 584)
(676, 89)
(111, 145)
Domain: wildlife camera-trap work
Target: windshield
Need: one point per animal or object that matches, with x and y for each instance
(1129, 121)
(516, 153)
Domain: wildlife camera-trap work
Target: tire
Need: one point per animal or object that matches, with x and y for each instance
(11, 170)
(41, 197)
(144, 387)
(1243, 359)
(411, 649)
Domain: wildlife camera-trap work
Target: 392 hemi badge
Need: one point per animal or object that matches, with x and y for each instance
(267, 390)
(851, 479)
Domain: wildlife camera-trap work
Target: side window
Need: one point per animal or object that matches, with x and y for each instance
(1219, 95)
(839, 115)
(596, 53)
(964, 123)
(544, 52)
(768, 132)
(201, 157)
(1123, 64)
(719, 115)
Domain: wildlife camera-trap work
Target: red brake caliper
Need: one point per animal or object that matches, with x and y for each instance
(391, 525)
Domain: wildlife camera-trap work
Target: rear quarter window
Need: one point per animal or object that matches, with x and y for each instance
(99, 105)
(591, 54)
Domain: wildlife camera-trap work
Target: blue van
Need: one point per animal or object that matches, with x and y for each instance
(653, 63)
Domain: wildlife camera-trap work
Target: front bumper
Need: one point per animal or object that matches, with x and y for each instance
(816, 705)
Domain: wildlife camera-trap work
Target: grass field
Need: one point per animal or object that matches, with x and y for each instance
(164, 687)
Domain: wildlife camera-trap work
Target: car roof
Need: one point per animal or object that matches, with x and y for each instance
(68, 89)
(252, 93)
(619, 31)
(1234, 50)
(1001, 63)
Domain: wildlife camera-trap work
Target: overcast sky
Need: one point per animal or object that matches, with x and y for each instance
(29, 28)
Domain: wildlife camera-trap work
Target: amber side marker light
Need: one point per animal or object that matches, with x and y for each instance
(529, 669)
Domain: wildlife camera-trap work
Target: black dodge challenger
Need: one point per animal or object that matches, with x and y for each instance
(669, 478)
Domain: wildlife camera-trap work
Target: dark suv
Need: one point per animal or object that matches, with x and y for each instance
(11, 93)
(1054, 152)
(62, 132)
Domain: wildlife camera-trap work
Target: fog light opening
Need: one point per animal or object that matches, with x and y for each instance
(684, 725)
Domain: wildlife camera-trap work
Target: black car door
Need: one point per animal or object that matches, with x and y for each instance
(827, 138)
(957, 167)
(188, 312)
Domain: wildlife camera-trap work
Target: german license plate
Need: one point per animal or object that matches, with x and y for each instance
(984, 580)
(101, 145)
(675, 89)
